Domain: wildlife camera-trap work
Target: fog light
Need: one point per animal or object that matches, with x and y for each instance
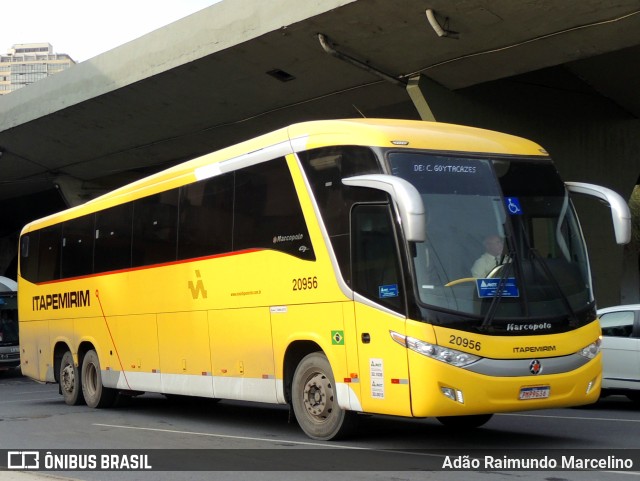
(590, 385)
(453, 394)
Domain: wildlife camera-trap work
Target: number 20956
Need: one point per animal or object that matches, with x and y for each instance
(305, 283)
(464, 342)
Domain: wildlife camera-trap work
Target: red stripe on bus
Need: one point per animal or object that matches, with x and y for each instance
(152, 266)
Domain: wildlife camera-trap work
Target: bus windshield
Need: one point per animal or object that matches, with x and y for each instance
(503, 241)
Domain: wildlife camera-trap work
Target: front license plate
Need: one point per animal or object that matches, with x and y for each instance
(537, 392)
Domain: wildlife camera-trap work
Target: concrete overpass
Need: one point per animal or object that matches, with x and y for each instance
(561, 73)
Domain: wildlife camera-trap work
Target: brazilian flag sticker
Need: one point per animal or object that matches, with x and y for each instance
(337, 338)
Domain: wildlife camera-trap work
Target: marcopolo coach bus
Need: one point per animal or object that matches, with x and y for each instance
(327, 266)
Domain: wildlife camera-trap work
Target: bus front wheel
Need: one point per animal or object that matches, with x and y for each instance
(70, 384)
(465, 422)
(95, 394)
(315, 402)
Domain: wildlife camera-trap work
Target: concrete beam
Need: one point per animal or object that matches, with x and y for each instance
(418, 89)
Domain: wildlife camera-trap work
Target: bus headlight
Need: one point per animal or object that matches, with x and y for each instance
(446, 355)
(591, 350)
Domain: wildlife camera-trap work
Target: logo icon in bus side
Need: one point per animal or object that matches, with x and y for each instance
(198, 287)
(535, 367)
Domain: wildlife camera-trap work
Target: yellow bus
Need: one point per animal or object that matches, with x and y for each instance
(326, 265)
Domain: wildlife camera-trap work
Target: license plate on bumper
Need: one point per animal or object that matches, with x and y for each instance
(535, 392)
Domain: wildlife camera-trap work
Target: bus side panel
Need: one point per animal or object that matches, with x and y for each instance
(241, 354)
(321, 324)
(93, 330)
(384, 373)
(352, 379)
(185, 360)
(35, 351)
(136, 342)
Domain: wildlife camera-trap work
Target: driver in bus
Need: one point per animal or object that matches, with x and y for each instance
(491, 258)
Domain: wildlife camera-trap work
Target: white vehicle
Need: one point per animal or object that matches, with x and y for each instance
(621, 350)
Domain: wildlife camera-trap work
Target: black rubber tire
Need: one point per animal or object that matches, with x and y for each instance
(465, 422)
(95, 394)
(69, 379)
(314, 400)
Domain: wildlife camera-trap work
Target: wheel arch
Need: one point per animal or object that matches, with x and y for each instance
(295, 352)
(58, 351)
(61, 347)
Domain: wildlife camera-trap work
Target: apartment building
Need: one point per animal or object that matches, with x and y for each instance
(25, 63)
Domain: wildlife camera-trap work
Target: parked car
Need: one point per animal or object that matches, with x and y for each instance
(9, 339)
(621, 350)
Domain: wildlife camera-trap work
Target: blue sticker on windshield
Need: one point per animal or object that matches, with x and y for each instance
(489, 287)
(513, 205)
(388, 291)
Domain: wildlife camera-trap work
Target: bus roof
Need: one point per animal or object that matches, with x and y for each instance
(411, 134)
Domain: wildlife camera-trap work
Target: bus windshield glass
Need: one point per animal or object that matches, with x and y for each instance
(503, 241)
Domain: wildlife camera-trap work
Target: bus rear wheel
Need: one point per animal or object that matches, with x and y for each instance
(95, 394)
(69, 379)
(315, 402)
(465, 422)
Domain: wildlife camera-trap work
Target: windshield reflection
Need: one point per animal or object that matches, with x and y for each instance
(502, 238)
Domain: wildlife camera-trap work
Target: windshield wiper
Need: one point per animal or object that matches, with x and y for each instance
(554, 282)
(493, 307)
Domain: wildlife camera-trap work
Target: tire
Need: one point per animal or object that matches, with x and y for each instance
(465, 422)
(69, 379)
(95, 394)
(314, 400)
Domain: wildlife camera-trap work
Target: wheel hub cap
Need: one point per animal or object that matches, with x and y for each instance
(318, 396)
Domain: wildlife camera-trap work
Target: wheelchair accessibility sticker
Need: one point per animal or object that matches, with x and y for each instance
(513, 205)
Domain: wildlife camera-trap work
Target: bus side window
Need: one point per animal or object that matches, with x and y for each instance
(77, 247)
(49, 254)
(376, 269)
(267, 211)
(206, 217)
(325, 168)
(29, 256)
(155, 228)
(113, 238)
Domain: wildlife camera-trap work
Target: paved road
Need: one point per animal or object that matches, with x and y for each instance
(34, 417)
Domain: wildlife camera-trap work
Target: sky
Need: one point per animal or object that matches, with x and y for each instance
(86, 28)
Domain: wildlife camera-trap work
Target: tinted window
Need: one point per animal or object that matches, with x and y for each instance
(267, 212)
(325, 168)
(29, 256)
(155, 229)
(376, 271)
(206, 215)
(77, 247)
(49, 254)
(113, 238)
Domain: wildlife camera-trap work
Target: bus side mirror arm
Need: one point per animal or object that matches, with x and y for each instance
(620, 213)
(405, 196)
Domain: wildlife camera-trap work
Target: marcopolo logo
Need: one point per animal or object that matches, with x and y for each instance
(537, 326)
(287, 238)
